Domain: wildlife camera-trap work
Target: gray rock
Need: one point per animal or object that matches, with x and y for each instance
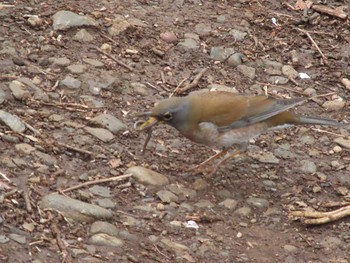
(100, 191)
(101, 134)
(221, 19)
(3, 96)
(147, 176)
(200, 184)
(103, 227)
(264, 157)
(74, 209)
(93, 62)
(246, 71)
(24, 148)
(334, 105)
(105, 240)
(204, 204)
(290, 248)
(308, 167)
(330, 242)
(341, 141)
(278, 80)
(19, 90)
(76, 69)
(47, 159)
(181, 191)
(83, 36)
(229, 203)
(310, 92)
(127, 236)
(62, 61)
(106, 203)
(221, 53)
(129, 220)
(307, 139)
(4, 239)
(12, 121)
(48, 48)
(140, 88)
(235, 60)
(176, 247)
(56, 118)
(258, 202)
(283, 151)
(188, 44)
(289, 72)
(64, 20)
(192, 36)
(244, 211)
(18, 238)
(92, 101)
(167, 196)
(70, 83)
(8, 48)
(110, 122)
(203, 29)
(237, 34)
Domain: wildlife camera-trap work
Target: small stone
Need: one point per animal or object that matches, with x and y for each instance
(24, 148)
(330, 242)
(94, 63)
(101, 134)
(168, 37)
(342, 190)
(316, 189)
(70, 83)
(18, 238)
(4, 239)
(290, 72)
(106, 203)
(12, 121)
(105, 240)
(337, 149)
(264, 157)
(310, 92)
(188, 44)
(229, 203)
(308, 167)
(110, 122)
(246, 71)
(204, 204)
(200, 184)
(278, 80)
(140, 88)
(103, 227)
(119, 25)
(83, 36)
(147, 176)
(63, 20)
(235, 60)
(167, 196)
(19, 90)
(63, 61)
(76, 69)
(176, 247)
(334, 105)
(237, 34)
(100, 191)
(258, 202)
(35, 21)
(221, 19)
(203, 29)
(244, 211)
(106, 47)
(290, 248)
(221, 53)
(343, 142)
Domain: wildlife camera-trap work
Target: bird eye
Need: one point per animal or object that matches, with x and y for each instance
(167, 116)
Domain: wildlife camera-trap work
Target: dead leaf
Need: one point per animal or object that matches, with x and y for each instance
(301, 4)
(115, 162)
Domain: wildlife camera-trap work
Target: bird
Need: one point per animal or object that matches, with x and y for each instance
(223, 119)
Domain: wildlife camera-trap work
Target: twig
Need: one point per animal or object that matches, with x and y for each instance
(98, 181)
(337, 12)
(57, 234)
(327, 132)
(314, 43)
(121, 63)
(162, 77)
(281, 87)
(153, 86)
(160, 252)
(7, 194)
(178, 86)
(194, 83)
(110, 39)
(5, 177)
(322, 95)
(75, 149)
(27, 200)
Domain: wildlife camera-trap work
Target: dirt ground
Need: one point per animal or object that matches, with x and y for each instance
(243, 211)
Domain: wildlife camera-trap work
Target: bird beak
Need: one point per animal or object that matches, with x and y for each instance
(149, 123)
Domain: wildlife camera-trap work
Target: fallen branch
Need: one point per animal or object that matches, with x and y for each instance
(121, 63)
(318, 218)
(75, 149)
(194, 83)
(98, 181)
(337, 12)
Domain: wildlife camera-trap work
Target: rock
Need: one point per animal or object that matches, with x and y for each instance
(3, 96)
(176, 247)
(204, 204)
(110, 122)
(94, 63)
(83, 36)
(229, 203)
(307, 139)
(221, 53)
(19, 90)
(74, 209)
(168, 37)
(18, 238)
(4, 239)
(246, 71)
(12, 121)
(34, 21)
(237, 34)
(70, 83)
(106, 203)
(289, 72)
(129, 220)
(147, 176)
(167, 196)
(330, 242)
(64, 20)
(310, 92)
(244, 211)
(200, 184)
(47, 159)
(106, 47)
(235, 60)
(119, 25)
(290, 248)
(283, 151)
(188, 44)
(181, 191)
(101, 134)
(264, 157)
(76, 69)
(92, 101)
(140, 88)
(62, 61)
(341, 141)
(221, 19)
(203, 29)
(278, 80)
(105, 240)
(24, 148)
(100, 191)
(334, 105)
(103, 227)
(258, 202)
(308, 167)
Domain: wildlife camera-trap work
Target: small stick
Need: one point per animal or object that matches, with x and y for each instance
(281, 87)
(195, 81)
(322, 95)
(327, 132)
(57, 234)
(162, 77)
(337, 12)
(75, 149)
(315, 44)
(178, 86)
(35, 131)
(121, 63)
(153, 86)
(110, 39)
(5, 177)
(27, 200)
(98, 181)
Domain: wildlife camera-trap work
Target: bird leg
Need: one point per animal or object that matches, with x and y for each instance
(215, 156)
(228, 157)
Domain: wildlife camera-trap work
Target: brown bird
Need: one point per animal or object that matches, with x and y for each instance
(224, 119)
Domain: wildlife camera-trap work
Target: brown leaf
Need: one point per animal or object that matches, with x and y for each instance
(115, 162)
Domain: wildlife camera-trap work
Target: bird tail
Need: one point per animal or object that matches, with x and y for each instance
(318, 121)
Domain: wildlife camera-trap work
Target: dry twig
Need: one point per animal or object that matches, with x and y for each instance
(178, 86)
(75, 149)
(337, 12)
(194, 83)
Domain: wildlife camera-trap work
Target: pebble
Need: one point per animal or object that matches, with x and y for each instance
(4, 239)
(18, 238)
(109, 122)
(62, 61)
(246, 71)
(221, 53)
(106, 203)
(188, 44)
(308, 167)
(103, 227)
(34, 21)
(204, 204)
(167, 197)
(3, 96)
(290, 248)
(343, 142)
(310, 92)
(70, 83)
(235, 60)
(83, 36)
(100, 191)
(63, 20)
(200, 184)
(258, 202)
(203, 29)
(147, 176)
(283, 151)
(237, 34)
(264, 157)
(76, 69)
(101, 134)
(45, 158)
(168, 37)
(181, 191)
(75, 209)
(219, 87)
(105, 240)
(12, 121)
(176, 247)
(330, 243)
(93, 62)
(24, 148)
(289, 72)
(244, 211)
(141, 89)
(229, 203)
(278, 80)
(334, 105)
(119, 25)
(19, 90)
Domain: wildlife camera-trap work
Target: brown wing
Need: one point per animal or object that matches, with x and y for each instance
(228, 110)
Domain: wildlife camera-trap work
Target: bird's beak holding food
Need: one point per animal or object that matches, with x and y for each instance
(149, 123)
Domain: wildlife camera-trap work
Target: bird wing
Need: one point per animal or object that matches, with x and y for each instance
(228, 110)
